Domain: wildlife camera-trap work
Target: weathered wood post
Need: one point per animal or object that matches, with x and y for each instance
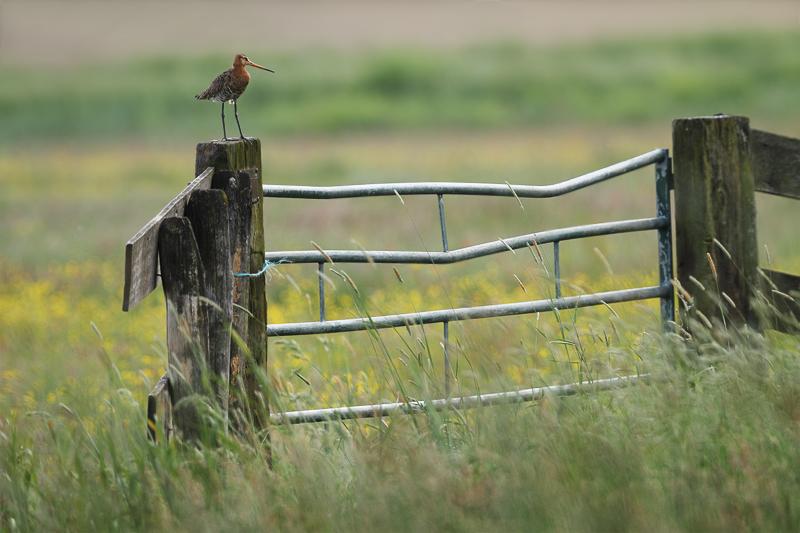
(207, 211)
(237, 165)
(194, 256)
(187, 321)
(182, 274)
(714, 201)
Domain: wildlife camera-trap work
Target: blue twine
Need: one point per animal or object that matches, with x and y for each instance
(264, 269)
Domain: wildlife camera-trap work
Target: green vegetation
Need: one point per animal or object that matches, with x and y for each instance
(709, 444)
(491, 86)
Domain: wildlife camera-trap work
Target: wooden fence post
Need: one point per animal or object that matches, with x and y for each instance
(187, 321)
(715, 201)
(208, 213)
(237, 165)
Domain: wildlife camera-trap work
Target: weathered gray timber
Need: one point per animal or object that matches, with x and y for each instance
(782, 291)
(776, 170)
(257, 328)
(784, 282)
(714, 201)
(159, 410)
(141, 250)
(233, 155)
(187, 321)
(237, 165)
(237, 189)
(208, 213)
(776, 163)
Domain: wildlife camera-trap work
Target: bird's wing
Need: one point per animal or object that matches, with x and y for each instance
(217, 87)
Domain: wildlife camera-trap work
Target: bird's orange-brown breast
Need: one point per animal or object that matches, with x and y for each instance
(239, 80)
(227, 86)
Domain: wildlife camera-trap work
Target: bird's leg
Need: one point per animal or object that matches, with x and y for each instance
(224, 135)
(236, 112)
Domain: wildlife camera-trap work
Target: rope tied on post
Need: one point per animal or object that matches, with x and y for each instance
(268, 265)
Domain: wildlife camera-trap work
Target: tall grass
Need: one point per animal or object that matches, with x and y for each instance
(710, 445)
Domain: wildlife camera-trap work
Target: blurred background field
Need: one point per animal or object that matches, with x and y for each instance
(98, 135)
(476, 87)
(98, 132)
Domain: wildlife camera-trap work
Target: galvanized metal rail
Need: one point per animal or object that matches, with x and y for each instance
(466, 313)
(479, 189)
(469, 252)
(661, 222)
(462, 402)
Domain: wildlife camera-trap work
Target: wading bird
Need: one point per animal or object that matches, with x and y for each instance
(229, 86)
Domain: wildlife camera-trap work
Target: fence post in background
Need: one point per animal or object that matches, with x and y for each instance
(714, 200)
(237, 165)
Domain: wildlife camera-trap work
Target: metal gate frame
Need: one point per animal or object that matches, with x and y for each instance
(662, 223)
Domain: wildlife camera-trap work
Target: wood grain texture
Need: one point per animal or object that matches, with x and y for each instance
(159, 411)
(257, 329)
(232, 155)
(238, 192)
(187, 322)
(776, 163)
(783, 292)
(714, 200)
(236, 163)
(784, 282)
(208, 213)
(141, 250)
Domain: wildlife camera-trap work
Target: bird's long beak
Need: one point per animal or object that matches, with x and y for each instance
(259, 66)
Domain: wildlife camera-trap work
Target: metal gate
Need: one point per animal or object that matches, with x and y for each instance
(661, 223)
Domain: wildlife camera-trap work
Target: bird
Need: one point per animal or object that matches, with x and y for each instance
(229, 86)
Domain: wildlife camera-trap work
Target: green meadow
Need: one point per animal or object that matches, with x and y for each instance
(89, 153)
(501, 86)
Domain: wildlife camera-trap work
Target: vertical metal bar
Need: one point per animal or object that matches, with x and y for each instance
(557, 267)
(442, 223)
(663, 209)
(321, 276)
(445, 324)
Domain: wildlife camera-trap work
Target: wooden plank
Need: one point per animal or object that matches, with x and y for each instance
(187, 321)
(237, 189)
(141, 250)
(783, 292)
(159, 411)
(257, 329)
(208, 213)
(784, 282)
(715, 201)
(776, 163)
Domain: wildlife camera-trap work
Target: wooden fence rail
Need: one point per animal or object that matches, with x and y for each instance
(214, 229)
